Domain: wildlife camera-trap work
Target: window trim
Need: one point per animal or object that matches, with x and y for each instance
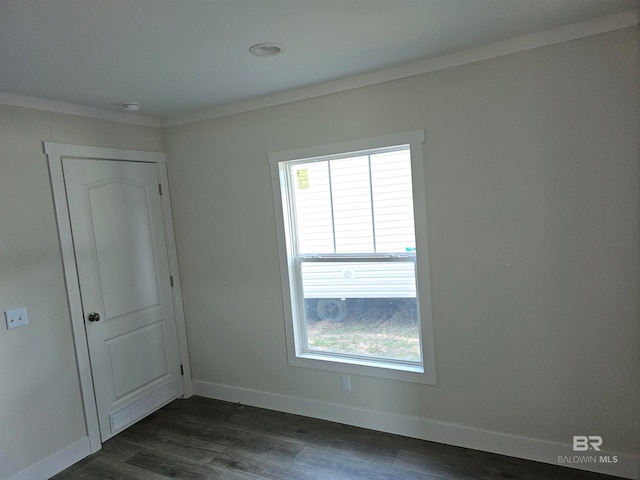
(343, 363)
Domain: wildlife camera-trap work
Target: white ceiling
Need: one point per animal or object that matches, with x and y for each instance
(179, 56)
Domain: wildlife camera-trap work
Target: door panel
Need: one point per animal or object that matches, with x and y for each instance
(123, 271)
(137, 358)
(123, 233)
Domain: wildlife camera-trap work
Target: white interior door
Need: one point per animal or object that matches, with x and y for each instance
(118, 236)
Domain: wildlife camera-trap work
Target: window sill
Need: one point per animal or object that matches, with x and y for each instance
(379, 369)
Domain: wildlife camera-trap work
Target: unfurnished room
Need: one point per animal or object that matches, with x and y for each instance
(319, 239)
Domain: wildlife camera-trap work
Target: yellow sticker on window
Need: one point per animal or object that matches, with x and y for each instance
(303, 178)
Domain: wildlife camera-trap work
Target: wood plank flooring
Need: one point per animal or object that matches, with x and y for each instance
(203, 439)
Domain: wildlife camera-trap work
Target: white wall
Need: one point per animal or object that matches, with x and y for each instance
(532, 189)
(40, 405)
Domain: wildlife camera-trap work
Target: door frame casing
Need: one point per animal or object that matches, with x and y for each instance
(55, 153)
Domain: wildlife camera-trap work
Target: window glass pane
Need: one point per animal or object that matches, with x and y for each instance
(361, 308)
(355, 205)
(350, 258)
(393, 201)
(313, 207)
(351, 191)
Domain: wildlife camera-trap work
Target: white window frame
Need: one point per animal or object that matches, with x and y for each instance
(411, 372)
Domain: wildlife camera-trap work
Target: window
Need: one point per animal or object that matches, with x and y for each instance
(353, 256)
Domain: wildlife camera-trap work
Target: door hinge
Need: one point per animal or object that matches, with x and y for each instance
(160, 188)
(181, 370)
(171, 279)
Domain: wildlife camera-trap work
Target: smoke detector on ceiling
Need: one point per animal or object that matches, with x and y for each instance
(267, 49)
(131, 106)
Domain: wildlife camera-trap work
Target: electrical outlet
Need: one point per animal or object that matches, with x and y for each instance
(346, 382)
(16, 317)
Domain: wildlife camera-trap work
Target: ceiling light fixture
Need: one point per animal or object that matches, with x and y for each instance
(131, 106)
(267, 49)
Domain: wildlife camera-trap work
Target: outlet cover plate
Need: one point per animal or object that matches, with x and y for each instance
(16, 317)
(345, 380)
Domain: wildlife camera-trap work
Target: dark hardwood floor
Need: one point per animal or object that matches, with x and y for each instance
(200, 438)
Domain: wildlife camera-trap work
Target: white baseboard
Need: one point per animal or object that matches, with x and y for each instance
(627, 466)
(55, 463)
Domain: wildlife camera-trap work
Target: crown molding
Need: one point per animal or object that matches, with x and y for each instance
(628, 18)
(37, 103)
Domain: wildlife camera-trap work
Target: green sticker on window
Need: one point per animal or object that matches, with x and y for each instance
(303, 178)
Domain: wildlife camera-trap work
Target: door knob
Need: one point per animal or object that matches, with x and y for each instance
(93, 317)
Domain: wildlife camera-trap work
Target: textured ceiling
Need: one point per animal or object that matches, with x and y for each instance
(180, 56)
